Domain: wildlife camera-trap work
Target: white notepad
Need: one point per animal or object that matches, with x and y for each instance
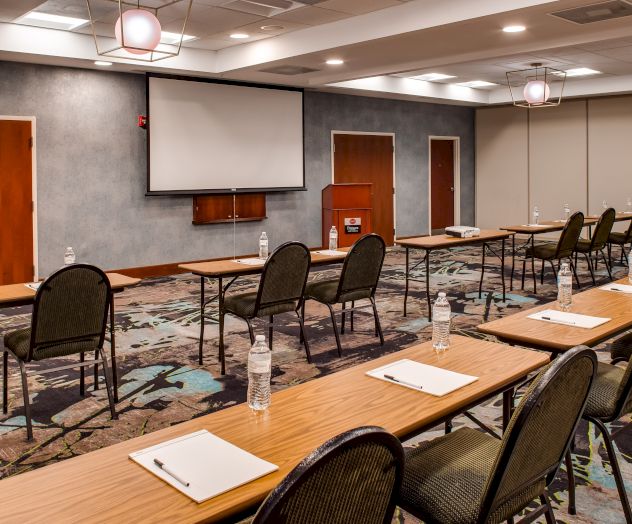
(534, 225)
(618, 288)
(211, 465)
(569, 319)
(422, 377)
(251, 261)
(331, 253)
(33, 285)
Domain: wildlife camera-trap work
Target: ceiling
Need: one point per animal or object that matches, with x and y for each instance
(382, 43)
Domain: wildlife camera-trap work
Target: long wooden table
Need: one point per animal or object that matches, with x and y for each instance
(13, 295)
(106, 486)
(435, 242)
(518, 329)
(220, 269)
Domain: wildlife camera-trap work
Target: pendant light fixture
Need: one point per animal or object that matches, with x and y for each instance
(538, 86)
(138, 31)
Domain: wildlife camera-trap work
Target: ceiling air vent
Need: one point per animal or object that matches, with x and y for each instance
(599, 12)
(265, 8)
(288, 70)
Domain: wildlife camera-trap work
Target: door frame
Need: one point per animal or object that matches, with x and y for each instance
(378, 133)
(33, 121)
(457, 177)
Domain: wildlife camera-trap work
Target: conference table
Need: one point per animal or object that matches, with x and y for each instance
(432, 243)
(549, 336)
(106, 486)
(13, 295)
(233, 269)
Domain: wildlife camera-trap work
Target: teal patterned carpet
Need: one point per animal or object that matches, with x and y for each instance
(162, 383)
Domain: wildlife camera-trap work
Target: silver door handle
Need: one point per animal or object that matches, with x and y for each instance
(451, 189)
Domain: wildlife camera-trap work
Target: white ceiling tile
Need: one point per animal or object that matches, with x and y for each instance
(284, 27)
(312, 16)
(620, 53)
(12, 9)
(357, 7)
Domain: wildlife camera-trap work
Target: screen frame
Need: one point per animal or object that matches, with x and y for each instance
(210, 191)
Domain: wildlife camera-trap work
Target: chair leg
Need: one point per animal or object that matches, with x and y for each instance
(108, 383)
(605, 261)
(609, 254)
(542, 273)
(590, 267)
(378, 326)
(570, 473)
(96, 371)
(222, 359)
(335, 326)
(549, 515)
(27, 404)
(304, 337)
(82, 377)
(616, 471)
(5, 382)
(344, 319)
(270, 330)
(302, 314)
(553, 268)
(251, 332)
(524, 265)
(351, 314)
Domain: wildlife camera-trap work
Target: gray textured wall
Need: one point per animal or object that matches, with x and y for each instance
(91, 161)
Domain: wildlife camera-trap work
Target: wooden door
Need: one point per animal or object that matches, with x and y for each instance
(441, 183)
(369, 158)
(16, 202)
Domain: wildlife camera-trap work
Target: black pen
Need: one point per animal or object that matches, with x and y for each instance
(391, 377)
(558, 321)
(162, 466)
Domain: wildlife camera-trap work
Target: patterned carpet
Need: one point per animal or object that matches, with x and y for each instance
(162, 384)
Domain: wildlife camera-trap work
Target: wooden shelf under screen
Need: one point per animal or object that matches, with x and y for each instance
(217, 209)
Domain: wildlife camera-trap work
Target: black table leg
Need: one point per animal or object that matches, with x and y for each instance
(113, 351)
(406, 290)
(533, 263)
(428, 285)
(513, 260)
(502, 269)
(480, 283)
(220, 291)
(202, 305)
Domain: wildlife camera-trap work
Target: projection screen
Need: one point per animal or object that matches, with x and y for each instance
(207, 137)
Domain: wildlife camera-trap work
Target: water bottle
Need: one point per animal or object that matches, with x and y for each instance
(629, 204)
(69, 257)
(333, 239)
(565, 287)
(259, 371)
(567, 212)
(536, 215)
(263, 245)
(441, 323)
(604, 204)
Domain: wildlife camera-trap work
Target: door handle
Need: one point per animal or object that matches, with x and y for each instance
(452, 189)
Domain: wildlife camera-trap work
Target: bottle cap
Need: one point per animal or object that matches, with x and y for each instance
(441, 294)
(260, 338)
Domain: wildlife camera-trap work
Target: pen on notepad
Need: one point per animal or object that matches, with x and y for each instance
(162, 466)
(391, 377)
(559, 321)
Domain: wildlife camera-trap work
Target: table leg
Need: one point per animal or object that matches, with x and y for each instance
(508, 406)
(513, 260)
(533, 263)
(480, 283)
(113, 351)
(202, 299)
(502, 269)
(406, 290)
(428, 285)
(221, 325)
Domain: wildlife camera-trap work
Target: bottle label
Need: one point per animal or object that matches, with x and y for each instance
(259, 366)
(566, 280)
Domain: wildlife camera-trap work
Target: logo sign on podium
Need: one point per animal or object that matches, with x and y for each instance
(353, 226)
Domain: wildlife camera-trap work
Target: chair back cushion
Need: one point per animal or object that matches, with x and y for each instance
(353, 478)
(70, 306)
(570, 235)
(284, 275)
(363, 264)
(540, 430)
(603, 229)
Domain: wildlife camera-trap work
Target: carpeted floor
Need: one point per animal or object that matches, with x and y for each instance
(162, 384)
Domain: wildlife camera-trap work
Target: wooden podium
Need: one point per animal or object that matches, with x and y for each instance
(349, 208)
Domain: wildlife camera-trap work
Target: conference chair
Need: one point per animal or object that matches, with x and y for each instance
(621, 349)
(597, 243)
(358, 280)
(351, 479)
(620, 239)
(69, 317)
(609, 400)
(563, 249)
(471, 477)
(281, 289)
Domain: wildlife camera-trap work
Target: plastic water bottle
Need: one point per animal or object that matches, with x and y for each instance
(259, 371)
(629, 204)
(333, 239)
(69, 257)
(565, 288)
(604, 204)
(441, 323)
(567, 212)
(263, 245)
(536, 215)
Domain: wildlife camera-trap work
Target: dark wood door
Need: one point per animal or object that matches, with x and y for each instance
(442, 183)
(369, 158)
(16, 202)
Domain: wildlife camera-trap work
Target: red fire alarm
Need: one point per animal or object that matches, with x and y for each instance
(142, 121)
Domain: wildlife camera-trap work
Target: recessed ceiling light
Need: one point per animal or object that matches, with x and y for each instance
(582, 71)
(477, 83)
(432, 77)
(101, 63)
(514, 29)
(335, 61)
(174, 38)
(239, 36)
(272, 27)
(53, 21)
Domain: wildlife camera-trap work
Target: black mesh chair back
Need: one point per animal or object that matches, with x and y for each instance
(624, 393)
(363, 264)
(570, 235)
(541, 429)
(351, 479)
(603, 229)
(70, 306)
(284, 275)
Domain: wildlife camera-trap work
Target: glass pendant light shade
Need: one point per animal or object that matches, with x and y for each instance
(139, 33)
(536, 92)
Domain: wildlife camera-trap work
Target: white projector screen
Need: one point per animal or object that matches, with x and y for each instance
(207, 137)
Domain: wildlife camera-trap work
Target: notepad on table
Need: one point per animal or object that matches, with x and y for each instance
(621, 288)
(534, 225)
(422, 377)
(251, 261)
(569, 319)
(331, 253)
(208, 463)
(33, 285)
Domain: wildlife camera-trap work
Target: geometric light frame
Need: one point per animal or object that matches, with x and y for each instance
(161, 52)
(554, 78)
